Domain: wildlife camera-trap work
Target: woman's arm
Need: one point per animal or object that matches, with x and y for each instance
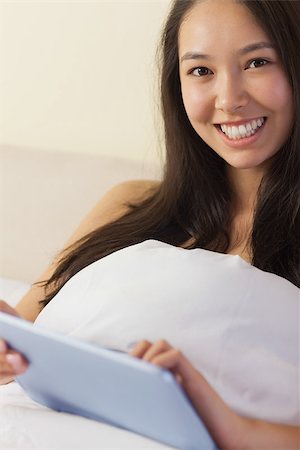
(229, 430)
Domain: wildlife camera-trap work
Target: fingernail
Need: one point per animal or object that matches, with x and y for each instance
(16, 362)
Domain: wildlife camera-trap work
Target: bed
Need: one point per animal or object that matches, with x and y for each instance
(252, 360)
(35, 188)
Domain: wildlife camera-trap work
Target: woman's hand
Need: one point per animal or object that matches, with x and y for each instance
(229, 430)
(206, 401)
(12, 363)
(162, 354)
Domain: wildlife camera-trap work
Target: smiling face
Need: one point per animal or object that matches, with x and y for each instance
(235, 91)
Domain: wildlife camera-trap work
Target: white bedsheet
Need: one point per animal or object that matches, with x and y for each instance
(26, 425)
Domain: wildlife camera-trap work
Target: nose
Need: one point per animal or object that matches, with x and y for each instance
(231, 94)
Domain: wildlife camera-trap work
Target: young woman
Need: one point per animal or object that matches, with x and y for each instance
(230, 80)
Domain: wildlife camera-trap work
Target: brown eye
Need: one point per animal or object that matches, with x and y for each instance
(201, 71)
(256, 63)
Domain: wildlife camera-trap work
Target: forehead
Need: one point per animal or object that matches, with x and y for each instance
(218, 23)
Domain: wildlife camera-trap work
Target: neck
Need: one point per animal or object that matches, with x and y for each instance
(245, 184)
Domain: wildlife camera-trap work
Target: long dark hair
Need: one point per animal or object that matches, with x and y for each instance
(194, 198)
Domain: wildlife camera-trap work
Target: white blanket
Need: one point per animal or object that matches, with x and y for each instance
(26, 425)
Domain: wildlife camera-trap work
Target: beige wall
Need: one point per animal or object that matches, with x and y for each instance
(79, 75)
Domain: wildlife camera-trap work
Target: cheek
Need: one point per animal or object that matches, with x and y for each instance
(196, 104)
(275, 93)
(283, 93)
(281, 101)
(287, 116)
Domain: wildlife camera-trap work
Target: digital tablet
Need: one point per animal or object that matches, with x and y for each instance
(69, 375)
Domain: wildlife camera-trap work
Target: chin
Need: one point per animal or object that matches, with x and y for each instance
(247, 165)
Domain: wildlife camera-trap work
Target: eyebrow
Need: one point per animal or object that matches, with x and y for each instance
(243, 51)
(255, 46)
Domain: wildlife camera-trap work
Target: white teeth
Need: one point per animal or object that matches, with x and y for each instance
(241, 131)
(235, 132)
(254, 124)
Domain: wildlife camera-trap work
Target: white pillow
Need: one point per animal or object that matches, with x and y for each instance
(237, 324)
(12, 290)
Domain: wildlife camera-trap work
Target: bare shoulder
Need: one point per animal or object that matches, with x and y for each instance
(114, 204)
(130, 191)
(116, 201)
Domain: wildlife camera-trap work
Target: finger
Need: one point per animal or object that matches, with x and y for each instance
(5, 307)
(3, 346)
(5, 366)
(169, 359)
(16, 362)
(140, 349)
(6, 369)
(177, 363)
(157, 348)
(12, 362)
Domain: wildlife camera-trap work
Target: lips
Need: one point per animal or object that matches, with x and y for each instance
(242, 129)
